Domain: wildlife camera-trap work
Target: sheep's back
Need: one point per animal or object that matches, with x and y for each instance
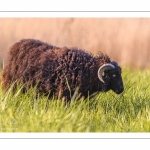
(21, 57)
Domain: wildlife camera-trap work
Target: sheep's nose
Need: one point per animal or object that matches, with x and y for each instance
(120, 90)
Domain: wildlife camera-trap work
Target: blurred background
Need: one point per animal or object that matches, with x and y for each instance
(125, 40)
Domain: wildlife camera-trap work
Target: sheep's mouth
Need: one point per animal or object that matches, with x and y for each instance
(119, 91)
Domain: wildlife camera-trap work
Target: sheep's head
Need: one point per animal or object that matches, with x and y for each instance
(110, 75)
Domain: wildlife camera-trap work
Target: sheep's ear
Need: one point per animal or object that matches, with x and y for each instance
(103, 68)
(114, 63)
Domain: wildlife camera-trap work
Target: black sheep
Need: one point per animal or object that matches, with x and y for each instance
(59, 71)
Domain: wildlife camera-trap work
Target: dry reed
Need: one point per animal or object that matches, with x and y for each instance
(126, 40)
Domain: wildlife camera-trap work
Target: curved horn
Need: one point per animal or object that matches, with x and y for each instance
(103, 68)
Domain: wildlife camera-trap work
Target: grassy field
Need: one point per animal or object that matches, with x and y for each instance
(106, 112)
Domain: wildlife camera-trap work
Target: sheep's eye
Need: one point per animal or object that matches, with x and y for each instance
(114, 75)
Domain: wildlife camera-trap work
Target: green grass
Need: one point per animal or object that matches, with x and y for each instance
(106, 112)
